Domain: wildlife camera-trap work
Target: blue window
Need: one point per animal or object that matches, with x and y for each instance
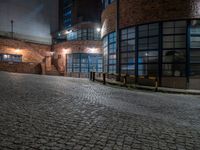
(195, 48)
(10, 57)
(81, 34)
(84, 63)
(127, 50)
(67, 22)
(174, 48)
(148, 48)
(109, 43)
(67, 13)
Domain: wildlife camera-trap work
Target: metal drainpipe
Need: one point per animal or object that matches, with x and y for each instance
(188, 55)
(118, 41)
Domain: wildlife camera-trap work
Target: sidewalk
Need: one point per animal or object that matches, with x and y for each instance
(151, 88)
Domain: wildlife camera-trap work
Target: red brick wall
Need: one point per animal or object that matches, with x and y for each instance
(33, 68)
(30, 52)
(32, 55)
(108, 19)
(133, 12)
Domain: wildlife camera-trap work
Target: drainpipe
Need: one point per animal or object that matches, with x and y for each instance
(118, 41)
(187, 68)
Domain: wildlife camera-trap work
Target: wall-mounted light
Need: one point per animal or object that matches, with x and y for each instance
(92, 50)
(5, 56)
(17, 50)
(66, 51)
(68, 31)
(98, 29)
(52, 53)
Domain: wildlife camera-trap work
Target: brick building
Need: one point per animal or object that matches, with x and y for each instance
(25, 34)
(157, 39)
(30, 42)
(78, 46)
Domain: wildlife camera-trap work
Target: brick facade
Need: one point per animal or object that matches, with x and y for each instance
(134, 12)
(30, 52)
(32, 55)
(108, 19)
(32, 68)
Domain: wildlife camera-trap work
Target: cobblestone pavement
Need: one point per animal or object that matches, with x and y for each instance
(43, 113)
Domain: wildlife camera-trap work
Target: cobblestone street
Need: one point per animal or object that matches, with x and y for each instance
(44, 113)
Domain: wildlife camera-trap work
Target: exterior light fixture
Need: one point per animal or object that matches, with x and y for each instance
(52, 53)
(5, 56)
(68, 31)
(98, 29)
(17, 50)
(92, 50)
(66, 51)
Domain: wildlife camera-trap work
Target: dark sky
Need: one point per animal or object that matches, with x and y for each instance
(31, 17)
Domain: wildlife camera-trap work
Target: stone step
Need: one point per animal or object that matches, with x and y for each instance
(53, 72)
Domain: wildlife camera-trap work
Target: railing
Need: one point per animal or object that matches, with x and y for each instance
(25, 38)
(124, 80)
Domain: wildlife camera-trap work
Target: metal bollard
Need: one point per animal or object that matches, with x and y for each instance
(125, 79)
(104, 78)
(156, 85)
(93, 77)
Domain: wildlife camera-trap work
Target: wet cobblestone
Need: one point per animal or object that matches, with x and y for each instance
(57, 113)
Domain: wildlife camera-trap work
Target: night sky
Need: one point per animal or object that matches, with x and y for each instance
(37, 18)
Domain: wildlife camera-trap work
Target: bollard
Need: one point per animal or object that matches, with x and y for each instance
(93, 77)
(156, 85)
(104, 78)
(125, 79)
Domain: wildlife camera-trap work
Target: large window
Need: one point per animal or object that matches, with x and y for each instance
(72, 36)
(112, 53)
(195, 48)
(148, 48)
(95, 63)
(82, 34)
(10, 58)
(128, 51)
(67, 13)
(84, 63)
(105, 54)
(109, 43)
(174, 48)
